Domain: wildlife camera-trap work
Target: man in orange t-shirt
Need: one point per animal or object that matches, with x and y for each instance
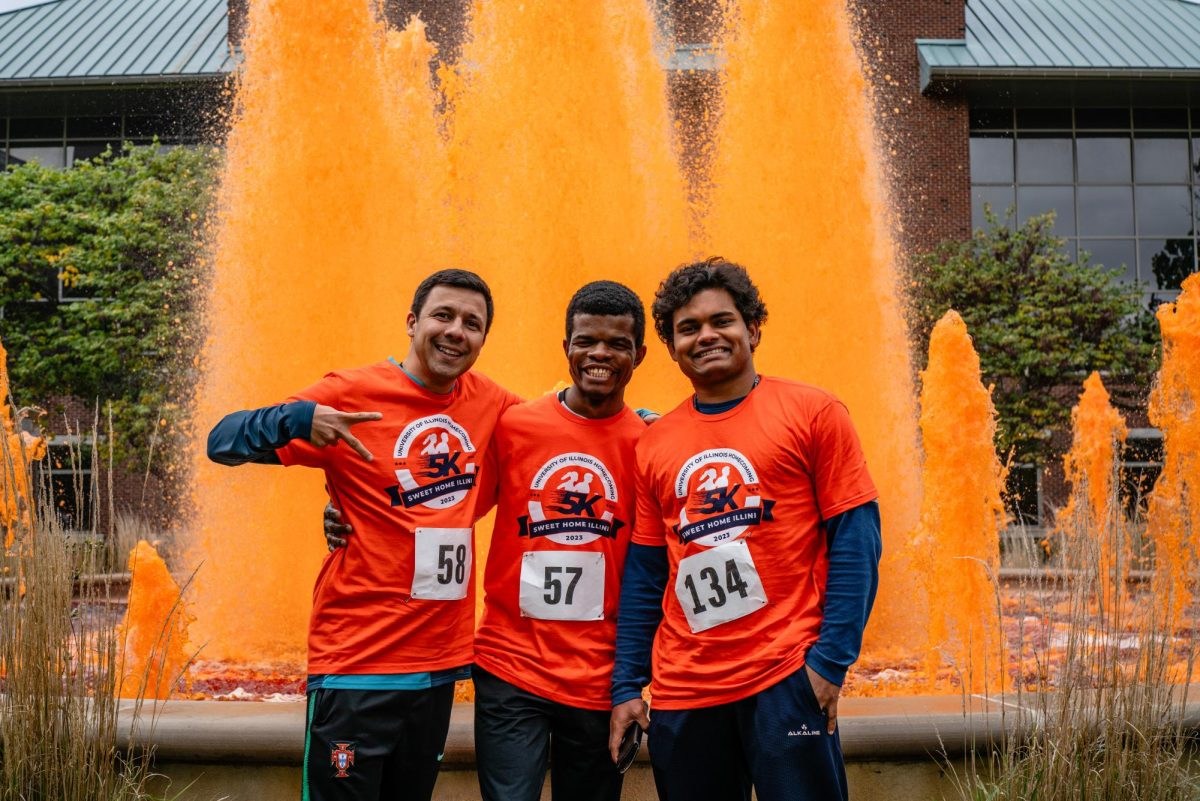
(564, 469)
(392, 616)
(753, 565)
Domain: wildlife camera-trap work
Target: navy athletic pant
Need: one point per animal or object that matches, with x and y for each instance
(365, 745)
(774, 740)
(518, 734)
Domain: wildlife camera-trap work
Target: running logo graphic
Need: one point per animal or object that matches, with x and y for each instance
(572, 500)
(435, 464)
(721, 497)
(341, 756)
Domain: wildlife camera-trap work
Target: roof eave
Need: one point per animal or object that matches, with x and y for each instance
(933, 75)
(110, 80)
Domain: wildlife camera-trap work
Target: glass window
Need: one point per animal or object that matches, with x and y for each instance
(1034, 200)
(1105, 210)
(84, 151)
(1102, 118)
(46, 156)
(1160, 159)
(150, 126)
(1174, 119)
(1000, 198)
(1103, 159)
(1044, 118)
(93, 127)
(1164, 210)
(1166, 262)
(1196, 159)
(990, 119)
(992, 159)
(1141, 463)
(1044, 160)
(1116, 255)
(36, 128)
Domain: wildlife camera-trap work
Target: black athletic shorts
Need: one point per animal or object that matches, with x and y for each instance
(364, 745)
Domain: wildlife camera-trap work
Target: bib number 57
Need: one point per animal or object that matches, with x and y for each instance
(718, 585)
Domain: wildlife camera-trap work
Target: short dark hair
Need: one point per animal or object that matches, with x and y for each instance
(610, 298)
(463, 279)
(688, 280)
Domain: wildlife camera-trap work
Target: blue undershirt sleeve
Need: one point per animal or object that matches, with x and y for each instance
(855, 545)
(641, 609)
(255, 435)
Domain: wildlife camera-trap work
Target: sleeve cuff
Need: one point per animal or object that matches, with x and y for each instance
(831, 672)
(298, 417)
(625, 693)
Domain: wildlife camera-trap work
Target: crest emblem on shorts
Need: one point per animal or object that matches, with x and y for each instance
(341, 756)
(721, 497)
(434, 460)
(572, 501)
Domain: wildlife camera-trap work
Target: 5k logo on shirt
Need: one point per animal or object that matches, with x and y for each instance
(572, 501)
(721, 497)
(434, 460)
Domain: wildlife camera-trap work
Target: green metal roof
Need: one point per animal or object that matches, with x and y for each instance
(1068, 39)
(73, 42)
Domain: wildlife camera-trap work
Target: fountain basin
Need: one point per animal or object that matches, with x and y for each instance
(244, 751)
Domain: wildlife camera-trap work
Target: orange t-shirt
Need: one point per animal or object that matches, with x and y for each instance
(553, 576)
(399, 598)
(739, 498)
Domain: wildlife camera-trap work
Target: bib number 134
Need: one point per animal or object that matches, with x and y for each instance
(718, 585)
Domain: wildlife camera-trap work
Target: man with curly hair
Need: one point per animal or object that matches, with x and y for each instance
(753, 565)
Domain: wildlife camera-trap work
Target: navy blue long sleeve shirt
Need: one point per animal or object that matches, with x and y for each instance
(855, 545)
(255, 435)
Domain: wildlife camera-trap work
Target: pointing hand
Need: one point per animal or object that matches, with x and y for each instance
(330, 425)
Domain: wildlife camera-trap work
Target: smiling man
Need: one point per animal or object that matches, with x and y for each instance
(753, 565)
(393, 613)
(564, 465)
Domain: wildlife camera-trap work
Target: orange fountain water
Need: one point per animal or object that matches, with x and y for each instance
(1090, 466)
(957, 550)
(564, 168)
(1174, 511)
(18, 449)
(797, 199)
(154, 634)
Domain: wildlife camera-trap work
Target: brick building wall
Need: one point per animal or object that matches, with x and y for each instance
(924, 141)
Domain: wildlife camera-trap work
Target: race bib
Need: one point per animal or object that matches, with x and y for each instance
(718, 585)
(442, 564)
(562, 585)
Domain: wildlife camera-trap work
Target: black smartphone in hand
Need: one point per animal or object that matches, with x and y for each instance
(630, 743)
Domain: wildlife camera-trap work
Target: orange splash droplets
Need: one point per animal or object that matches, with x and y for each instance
(797, 200)
(154, 633)
(957, 549)
(1174, 511)
(18, 449)
(1099, 430)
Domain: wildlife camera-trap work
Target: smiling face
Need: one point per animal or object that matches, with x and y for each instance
(711, 342)
(601, 355)
(447, 335)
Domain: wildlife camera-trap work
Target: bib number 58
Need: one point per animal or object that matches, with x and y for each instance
(718, 585)
(441, 563)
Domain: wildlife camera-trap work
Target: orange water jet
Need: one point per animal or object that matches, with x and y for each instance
(1173, 523)
(957, 549)
(18, 449)
(797, 198)
(1099, 431)
(154, 633)
(324, 230)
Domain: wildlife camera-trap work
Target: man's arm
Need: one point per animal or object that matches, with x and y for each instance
(855, 545)
(256, 435)
(643, 584)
